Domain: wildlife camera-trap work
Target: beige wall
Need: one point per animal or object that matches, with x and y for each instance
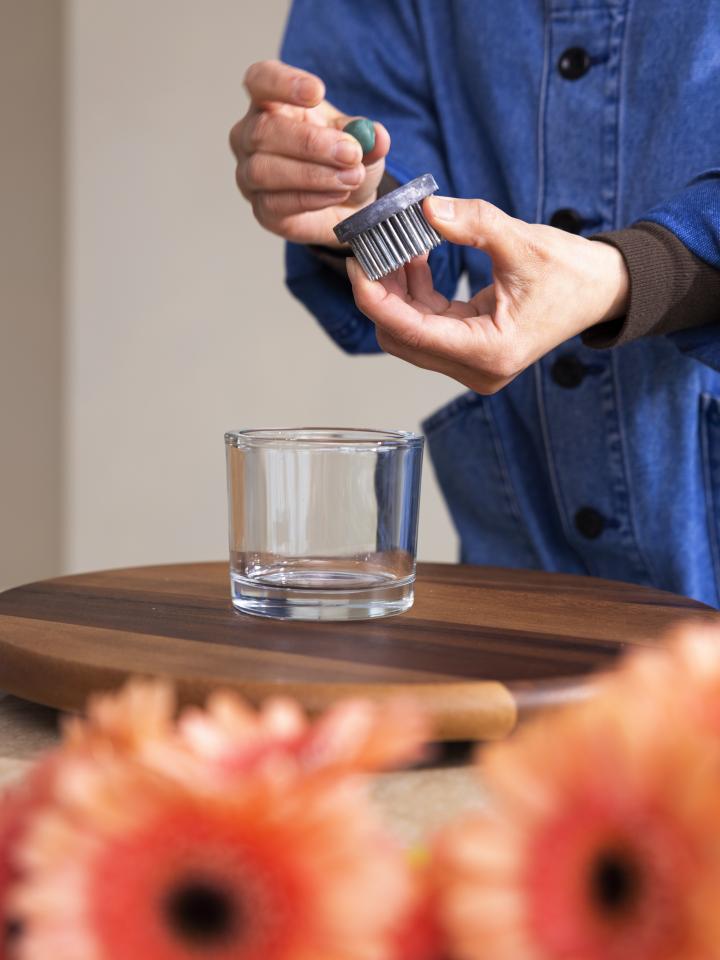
(30, 289)
(177, 322)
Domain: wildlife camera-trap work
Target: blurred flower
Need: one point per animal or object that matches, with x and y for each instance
(132, 864)
(121, 723)
(244, 834)
(686, 670)
(602, 842)
(124, 721)
(366, 736)
(235, 833)
(18, 806)
(355, 735)
(419, 934)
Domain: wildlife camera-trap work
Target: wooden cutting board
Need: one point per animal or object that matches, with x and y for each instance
(481, 647)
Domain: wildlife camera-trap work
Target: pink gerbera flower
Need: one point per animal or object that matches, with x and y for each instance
(603, 842)
(134, 864)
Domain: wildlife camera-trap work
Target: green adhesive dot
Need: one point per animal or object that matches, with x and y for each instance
(364, 132)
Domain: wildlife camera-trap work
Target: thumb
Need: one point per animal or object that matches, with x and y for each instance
(475, 223)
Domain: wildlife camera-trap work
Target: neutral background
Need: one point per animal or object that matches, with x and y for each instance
(142, 310)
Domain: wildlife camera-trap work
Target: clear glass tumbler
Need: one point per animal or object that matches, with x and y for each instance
(323, 522)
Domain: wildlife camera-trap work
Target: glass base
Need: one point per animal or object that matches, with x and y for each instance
(322, 595)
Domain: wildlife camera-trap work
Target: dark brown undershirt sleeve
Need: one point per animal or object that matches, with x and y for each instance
(335, 257)
(670, 288)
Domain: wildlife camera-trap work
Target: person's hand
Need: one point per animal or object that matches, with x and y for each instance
(298, 170)
(548, 286)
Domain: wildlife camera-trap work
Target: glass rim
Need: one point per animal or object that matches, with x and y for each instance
(334, 438)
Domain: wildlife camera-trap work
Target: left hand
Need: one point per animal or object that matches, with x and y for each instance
(548, 287)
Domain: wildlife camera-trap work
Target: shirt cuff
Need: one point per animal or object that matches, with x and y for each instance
(670, 288)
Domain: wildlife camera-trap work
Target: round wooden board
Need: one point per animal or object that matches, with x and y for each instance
(481, 646)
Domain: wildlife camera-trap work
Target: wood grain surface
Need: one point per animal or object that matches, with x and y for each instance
(481, 647)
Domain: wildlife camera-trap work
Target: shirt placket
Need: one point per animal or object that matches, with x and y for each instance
(578, 391)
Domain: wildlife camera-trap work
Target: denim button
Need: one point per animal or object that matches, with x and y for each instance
(589, 522)
(568, 371)
(568, 220)
(574, 63)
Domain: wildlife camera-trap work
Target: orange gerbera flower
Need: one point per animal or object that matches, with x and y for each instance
(236, 834)
(684, 671)
(124, 721)
(603, 843)
(354, 735)
(119, 723)
(419, 934)
(18, 806)
(134, 864)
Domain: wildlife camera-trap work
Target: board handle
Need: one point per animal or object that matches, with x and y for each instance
(467, 710)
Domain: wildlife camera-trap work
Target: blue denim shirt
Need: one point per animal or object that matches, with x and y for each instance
(614, 472)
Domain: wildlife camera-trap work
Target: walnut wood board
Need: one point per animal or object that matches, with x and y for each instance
(481, 647)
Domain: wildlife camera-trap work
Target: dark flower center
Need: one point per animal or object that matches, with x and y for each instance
(615, 882)
(13, 929)
(202, 912)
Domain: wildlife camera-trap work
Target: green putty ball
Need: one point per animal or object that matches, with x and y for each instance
(364, 132)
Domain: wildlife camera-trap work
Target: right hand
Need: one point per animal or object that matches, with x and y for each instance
(301, 174)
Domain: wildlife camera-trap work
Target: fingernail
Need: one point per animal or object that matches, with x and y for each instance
(347, 151)
(443, 208)
(305, 89)
(351, 178)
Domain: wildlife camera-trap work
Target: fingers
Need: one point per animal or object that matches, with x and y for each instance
(420, 286)
(484, 301)
(426, 298)
(267, 172)
(430, 361)
(273, 81)
(397, 283)
(388, 307)
(290, 146)
(268, 132)
(464, 347)
(477, 223)
(463, 373)
(269, 208)
(278, 153)
(385, 303)
(418, 358)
